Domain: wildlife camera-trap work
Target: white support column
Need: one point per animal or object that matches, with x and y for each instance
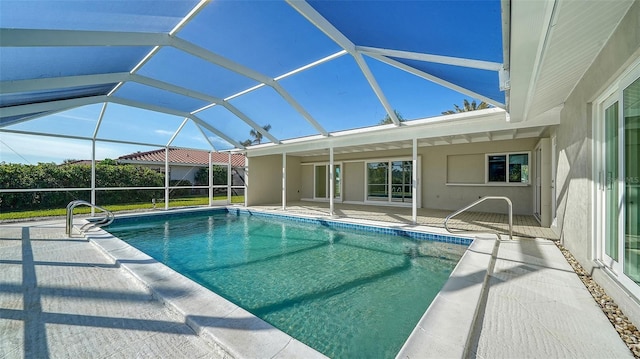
(284, 181)
(246, 180)
(210, 180)
(93, 174)
(166, 178)
(229, 179)
(414, 183)
(331, 180)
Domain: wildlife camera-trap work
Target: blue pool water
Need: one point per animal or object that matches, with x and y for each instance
(346, 293)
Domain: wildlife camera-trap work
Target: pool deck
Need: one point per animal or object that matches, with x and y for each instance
(93, 297)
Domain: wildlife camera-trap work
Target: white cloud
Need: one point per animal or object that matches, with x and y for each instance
(164, 132)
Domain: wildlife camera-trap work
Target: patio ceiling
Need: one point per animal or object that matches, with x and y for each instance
(313, 70)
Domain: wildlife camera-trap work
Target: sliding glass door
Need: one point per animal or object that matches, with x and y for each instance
(389, 181)
(631, 115)
(322, 183)
(620, 181)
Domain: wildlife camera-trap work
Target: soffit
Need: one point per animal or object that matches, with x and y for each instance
(552, 47)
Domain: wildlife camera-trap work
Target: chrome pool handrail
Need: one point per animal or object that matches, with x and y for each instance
(105, 221)
(476, 203)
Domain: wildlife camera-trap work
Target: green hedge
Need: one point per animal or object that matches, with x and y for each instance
(50, 175)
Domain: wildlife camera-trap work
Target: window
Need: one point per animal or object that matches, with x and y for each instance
(508, 168)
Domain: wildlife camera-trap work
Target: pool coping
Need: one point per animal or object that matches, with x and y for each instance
(445, 329)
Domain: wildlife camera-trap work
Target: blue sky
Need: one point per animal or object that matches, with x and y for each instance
(269, 37)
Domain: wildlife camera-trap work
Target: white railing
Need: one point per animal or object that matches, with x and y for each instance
(99, 222)
(476, 203)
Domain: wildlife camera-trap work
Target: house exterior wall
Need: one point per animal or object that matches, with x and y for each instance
(306, 181)
(352, 181)
(574, 176)
(453, 176)
(265, 180)
(183, 173)
(294, 175)
(176, 172)
(462, 164)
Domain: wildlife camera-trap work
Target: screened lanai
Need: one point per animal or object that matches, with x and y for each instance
(128, 71)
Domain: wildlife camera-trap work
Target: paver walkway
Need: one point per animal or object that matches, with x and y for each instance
(62, 298)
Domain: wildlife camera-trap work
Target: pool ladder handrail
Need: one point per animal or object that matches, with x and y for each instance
(105, 221)
(476, 203)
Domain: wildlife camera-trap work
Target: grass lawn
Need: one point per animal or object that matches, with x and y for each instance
(178, 202)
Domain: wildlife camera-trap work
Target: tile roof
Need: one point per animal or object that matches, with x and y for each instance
(185, 156)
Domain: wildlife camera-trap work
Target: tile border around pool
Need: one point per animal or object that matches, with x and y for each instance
(333, 223)
(445, 330)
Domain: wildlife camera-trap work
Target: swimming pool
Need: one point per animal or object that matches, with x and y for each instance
(345, 292)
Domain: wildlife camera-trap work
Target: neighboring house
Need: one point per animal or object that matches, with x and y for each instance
(185, 163)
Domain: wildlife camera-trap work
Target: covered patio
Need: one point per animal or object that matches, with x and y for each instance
(523, 225)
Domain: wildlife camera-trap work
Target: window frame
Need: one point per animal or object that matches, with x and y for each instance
(507, 155)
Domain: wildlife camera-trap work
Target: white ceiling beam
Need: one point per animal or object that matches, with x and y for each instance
(323, 24)
(514, 134)
(144, 80)
(326, 27)
(249, 121)
(467, 138)
(55, 135)
(437, 80)
(376, 88)
(177, 132)
(247, 72)
(206, 138)
(215, 131)
(201, 96)
(51, 83)
(103, 110)
(54, 38)
(171, 111)
(312, 65)
(447, 60)
(50, 106)
(489, 136)
(185, 20)
(147, 106)
(293, 103)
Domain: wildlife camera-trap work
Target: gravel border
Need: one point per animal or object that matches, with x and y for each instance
(627, 331)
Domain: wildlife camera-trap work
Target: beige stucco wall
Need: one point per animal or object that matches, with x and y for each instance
(353, 178)
(574, 136)
(574, 178)
(306, 181)
(264, 180)
(294, 176)
(437, 194)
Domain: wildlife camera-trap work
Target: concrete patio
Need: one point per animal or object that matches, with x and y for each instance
(74, 297)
